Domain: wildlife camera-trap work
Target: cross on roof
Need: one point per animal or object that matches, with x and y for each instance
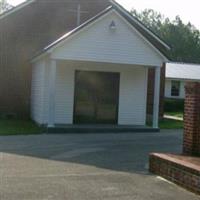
(79, 12)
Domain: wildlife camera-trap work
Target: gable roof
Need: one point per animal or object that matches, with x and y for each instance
(183, 71)
(154, 39)
(161, 48)
(77, 29)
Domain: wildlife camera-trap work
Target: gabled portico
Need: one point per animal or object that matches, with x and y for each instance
(107, 44)
(57, 67)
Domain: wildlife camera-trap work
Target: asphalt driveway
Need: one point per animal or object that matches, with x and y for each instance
(86, 167)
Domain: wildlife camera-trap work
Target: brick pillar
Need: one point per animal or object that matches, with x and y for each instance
(191, 144)
(150, 91)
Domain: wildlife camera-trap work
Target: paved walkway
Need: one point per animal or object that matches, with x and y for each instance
(86, 167)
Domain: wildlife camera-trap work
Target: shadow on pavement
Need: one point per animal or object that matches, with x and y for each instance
(117, 152)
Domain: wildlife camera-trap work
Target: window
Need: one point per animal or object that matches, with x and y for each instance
(175, 88)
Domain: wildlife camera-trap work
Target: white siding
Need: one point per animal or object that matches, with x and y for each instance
(64, 95)
(132, 100)
(99, 44)
(168, 86)
(46, 93)
(182, 92)
(37, 93)
(132, 96)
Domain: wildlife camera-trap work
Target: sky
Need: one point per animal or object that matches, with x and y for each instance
(188, 10)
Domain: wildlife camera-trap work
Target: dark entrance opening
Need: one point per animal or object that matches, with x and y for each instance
(96, 97)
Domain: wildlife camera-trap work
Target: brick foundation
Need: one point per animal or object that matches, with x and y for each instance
(191, 143)
(182, 170)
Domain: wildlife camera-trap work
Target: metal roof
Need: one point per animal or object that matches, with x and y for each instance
(183, 71)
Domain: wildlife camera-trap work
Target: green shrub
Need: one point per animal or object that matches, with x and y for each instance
(174, 105)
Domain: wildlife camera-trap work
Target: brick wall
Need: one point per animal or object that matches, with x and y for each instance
(24, 33)
(176, 170)
(191, 144)
(184, 170)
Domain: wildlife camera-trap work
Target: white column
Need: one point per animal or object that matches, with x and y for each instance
(156, 103)
(52, 93)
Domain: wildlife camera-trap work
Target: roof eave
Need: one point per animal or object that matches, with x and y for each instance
(114, 3)
(183, 79)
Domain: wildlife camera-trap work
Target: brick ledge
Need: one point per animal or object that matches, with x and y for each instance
(179, 169)
(190, 162)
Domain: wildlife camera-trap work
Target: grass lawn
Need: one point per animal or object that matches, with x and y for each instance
(171, 124)
(18, 127)
(175, 114)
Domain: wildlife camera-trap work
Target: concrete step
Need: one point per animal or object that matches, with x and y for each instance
(100, 129)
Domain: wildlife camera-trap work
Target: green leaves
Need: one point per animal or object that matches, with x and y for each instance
(4, 5)
(183, 38)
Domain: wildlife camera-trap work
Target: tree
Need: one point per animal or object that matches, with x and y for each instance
(183, 38)
(4, 6)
